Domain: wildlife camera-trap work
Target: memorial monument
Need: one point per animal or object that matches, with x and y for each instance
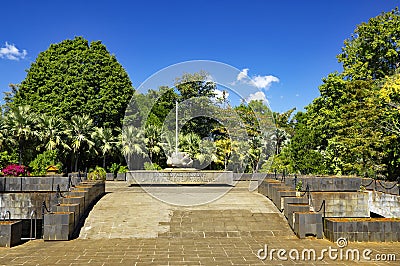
(180, 170)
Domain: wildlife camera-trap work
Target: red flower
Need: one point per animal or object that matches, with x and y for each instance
(14, 170)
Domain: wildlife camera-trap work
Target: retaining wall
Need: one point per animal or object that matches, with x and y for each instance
(342, 204)
(386, 205)
(37, 184)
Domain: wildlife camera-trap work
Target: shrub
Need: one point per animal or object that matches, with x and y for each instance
(6, 159)
(299, 186)
(15, 170)
(99, 173)
(114, 168)
(42, 161)
(151, 166)
(122, 169)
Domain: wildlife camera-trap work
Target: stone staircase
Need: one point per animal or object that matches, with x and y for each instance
(297, 209)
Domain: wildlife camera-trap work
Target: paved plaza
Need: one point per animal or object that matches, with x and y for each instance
(130, 227)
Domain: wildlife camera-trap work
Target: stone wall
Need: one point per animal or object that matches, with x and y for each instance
(37, 184)
(179, 177)
(386, 205)
(363, 230)
(319, 183)
(342, 204)
(21, 205)
(22, 195)
(381, 186)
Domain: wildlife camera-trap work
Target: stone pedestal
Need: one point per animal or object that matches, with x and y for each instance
(10, 233)
(180, 177)
(308, 223)
(58, 226)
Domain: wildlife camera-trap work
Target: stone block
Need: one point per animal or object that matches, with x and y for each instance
(110, 177)
(10, 233)
(291, 208)
(306, 223)
(121, 176)
(58, 226)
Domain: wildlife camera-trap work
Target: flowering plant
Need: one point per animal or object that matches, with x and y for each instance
(14, 170)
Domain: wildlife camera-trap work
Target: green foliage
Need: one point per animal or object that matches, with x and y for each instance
(299, 186)
(373, 50)
(44, 160)
(74, 78)
(19, 123)
(114, 168)
(195, 85)
(99, 173)
(151, 166)
(123, 169)
(351, 127)
(6, 159)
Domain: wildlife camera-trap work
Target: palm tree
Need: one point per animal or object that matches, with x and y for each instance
(207, 153)
(52, 132)
(19, 123)
(224, 151)
(190, 143)
(281, 138)
(80, 136)
(132, 142)
(105, 141)
(153, 140)
(240, 155)
(3, 133)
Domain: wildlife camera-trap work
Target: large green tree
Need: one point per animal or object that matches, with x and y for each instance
(343, 130)
(74, 78)
(373, 51)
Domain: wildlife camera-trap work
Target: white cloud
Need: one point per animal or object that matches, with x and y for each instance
(260, 82)
(11, 52)
(259, 95)
(242, 74)
(264, 82)
(219, 94)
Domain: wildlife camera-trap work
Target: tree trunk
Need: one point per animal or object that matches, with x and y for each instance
(76, 162)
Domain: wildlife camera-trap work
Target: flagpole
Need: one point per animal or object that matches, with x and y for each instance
(176, 128)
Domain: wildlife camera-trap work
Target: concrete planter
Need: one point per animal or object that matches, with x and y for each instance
(75, 208)
(58, 226)
(10, 233)
(121, 176)
(110, 177)
(308, 223)
(363, 229)
(292, 208)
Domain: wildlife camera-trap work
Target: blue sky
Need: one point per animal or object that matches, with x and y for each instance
(295, 42)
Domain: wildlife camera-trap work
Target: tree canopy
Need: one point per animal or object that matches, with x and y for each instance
(74, 77)
(351, 128)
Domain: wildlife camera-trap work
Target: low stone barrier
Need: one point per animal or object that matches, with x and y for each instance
(363, 229)
(342, 204)
(22, 204)
(179, 176)
(308, 223)
(10, 233)
(292, 208)
(58, 226)
(36, 184)
(74, 208)
(61, 223)
(328, 184)
(381, 186)
(386, 205)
